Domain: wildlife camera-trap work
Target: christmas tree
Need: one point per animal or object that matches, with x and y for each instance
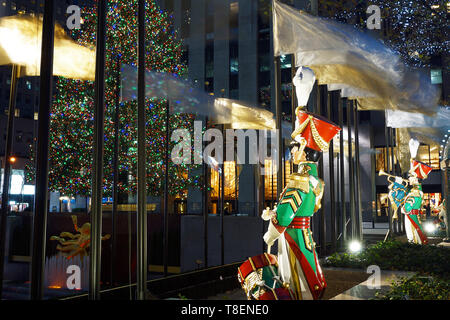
(71, 132)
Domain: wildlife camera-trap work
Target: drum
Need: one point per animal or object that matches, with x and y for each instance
(259, 278)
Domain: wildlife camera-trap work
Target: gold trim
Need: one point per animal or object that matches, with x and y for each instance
(306, 239)
(251, 262)
(242, 276)
(296, 196)
(295, 277)
(299, 181)
(321, 143)
(301, 128)
(291, 203)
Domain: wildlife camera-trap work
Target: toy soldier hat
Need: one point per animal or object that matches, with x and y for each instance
(316, 130)
(420, 169)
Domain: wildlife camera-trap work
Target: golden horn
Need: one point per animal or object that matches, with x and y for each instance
(382, 173)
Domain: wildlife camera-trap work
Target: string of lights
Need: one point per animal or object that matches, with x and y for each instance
(415, 29)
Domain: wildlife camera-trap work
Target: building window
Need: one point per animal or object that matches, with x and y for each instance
(285, 61)
(264, 62)
(429, 155)
(209, 27)
(209, 60)
(270, 180)
(209, 85)
(382, 205)
(231, 187)
(264, 14)
(19, 136)
(234, 66)
(426, 154)
(234, 69)
(436, 76)
(169, 6)
(382, 161)
(186, 18)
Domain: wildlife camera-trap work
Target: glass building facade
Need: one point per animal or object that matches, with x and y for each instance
(189, 217)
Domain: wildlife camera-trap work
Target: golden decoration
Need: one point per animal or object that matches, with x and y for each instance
(321, 143)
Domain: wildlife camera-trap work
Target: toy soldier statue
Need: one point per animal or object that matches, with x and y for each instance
(413, 203)
(290, 219)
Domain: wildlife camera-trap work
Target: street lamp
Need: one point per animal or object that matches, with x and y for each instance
(355, 246)
(430, 227)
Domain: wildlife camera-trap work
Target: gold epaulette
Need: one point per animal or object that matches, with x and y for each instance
(299, 181)
(415, 192)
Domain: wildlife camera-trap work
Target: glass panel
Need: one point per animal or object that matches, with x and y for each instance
(380, 159)
(70, 166)
(383, 205)
(429, 155)
(18, 199)
(231, 187)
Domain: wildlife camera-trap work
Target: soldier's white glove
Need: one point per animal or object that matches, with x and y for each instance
(271, 235)
(399, 180)
(269, 214)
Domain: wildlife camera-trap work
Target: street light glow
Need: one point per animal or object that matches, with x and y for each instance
(355, 246)
(429, 227)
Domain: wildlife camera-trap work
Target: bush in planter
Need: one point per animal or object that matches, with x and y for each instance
(395, 255)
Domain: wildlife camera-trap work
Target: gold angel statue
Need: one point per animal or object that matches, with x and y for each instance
(76, 244)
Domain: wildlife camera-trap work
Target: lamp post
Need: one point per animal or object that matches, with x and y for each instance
(141, 175)
(41, 197)
(445, 166)
(7, 168)
(342, 170)
(97, 167)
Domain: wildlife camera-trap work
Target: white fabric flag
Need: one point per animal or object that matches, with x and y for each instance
(340, 54)
(402, 119)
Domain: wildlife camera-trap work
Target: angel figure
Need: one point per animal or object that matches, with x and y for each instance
(76, 244)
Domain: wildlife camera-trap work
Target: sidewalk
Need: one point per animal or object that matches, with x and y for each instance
(361, 291)
(364, 290)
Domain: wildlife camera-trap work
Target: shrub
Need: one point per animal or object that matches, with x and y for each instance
(418, 288)
(395, 255)
(432, 264)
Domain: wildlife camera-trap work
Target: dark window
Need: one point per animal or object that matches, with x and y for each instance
(186, 18)
(209, 60)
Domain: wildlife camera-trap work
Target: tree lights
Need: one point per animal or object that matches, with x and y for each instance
(71, 132)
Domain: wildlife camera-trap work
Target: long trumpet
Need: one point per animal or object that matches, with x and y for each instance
(382, 173)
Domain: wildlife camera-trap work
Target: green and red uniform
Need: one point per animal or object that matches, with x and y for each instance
(297, 257)
(411, 209)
